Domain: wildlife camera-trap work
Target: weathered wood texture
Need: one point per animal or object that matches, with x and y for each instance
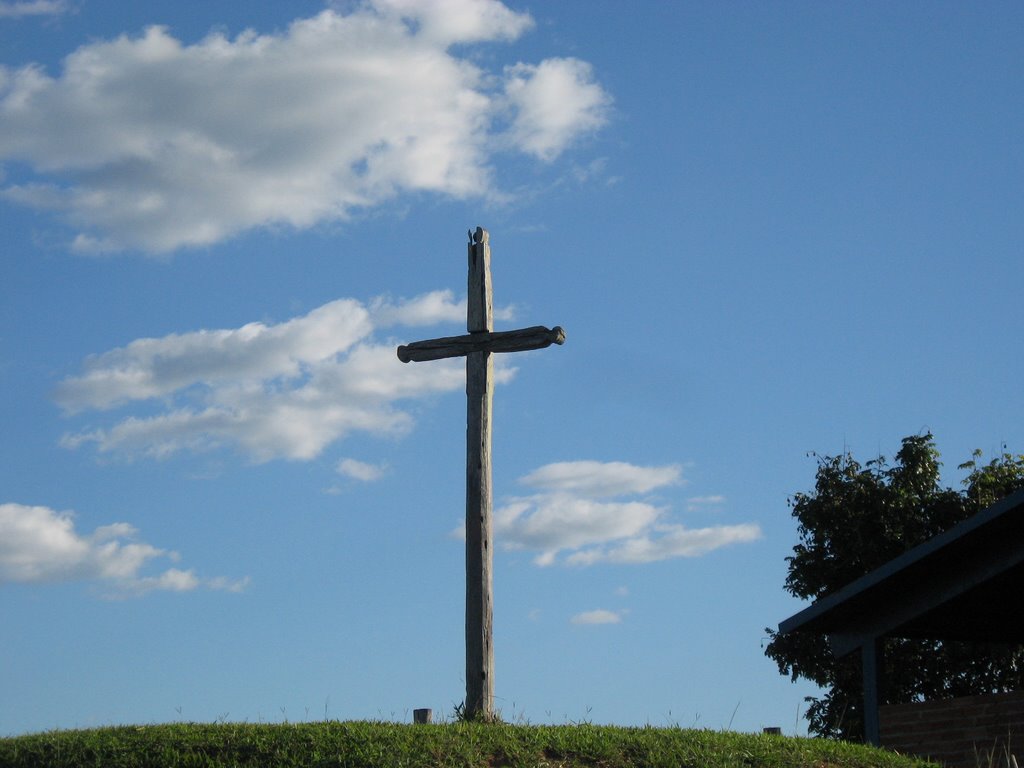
(535, 337)
(480, 316)
(477, 347)
(479, 499)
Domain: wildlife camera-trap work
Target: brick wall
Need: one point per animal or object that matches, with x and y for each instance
(964, 732)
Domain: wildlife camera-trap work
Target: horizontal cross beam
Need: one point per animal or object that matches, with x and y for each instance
(536, 337)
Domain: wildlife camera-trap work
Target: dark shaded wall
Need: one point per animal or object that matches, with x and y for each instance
(969, 732)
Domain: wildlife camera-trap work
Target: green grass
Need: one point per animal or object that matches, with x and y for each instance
(387, 745)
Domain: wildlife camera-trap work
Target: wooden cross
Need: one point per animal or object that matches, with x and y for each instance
(477, 347)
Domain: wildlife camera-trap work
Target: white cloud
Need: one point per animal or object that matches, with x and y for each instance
(148, 368)
(148, 142)
(668, 541)
(554, 102)
(458, 21)
(19, 8)
(598, 479)
(428, 309)
(550, 523)
(285, 390)
(39, 545)
(600, 616)
(360, 470)
(578, 510)
(695, 503)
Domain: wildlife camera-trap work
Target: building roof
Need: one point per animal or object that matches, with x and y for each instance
(964, 584)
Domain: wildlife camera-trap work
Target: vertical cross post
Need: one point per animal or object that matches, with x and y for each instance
(477, 347)
(479, 498)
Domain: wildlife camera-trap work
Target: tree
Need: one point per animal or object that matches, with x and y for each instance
(858, 518)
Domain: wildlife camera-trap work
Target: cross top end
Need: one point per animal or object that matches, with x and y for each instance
(481, 338)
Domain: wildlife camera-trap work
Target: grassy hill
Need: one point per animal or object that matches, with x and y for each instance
(387, 745)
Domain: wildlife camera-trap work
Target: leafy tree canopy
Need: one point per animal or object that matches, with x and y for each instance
(857, 518)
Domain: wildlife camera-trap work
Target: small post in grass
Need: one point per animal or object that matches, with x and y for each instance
(477, 347)
(422, 716)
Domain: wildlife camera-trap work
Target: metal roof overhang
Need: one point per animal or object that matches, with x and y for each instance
(964, 584)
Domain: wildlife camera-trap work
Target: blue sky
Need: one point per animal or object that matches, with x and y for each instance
(768, 230)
